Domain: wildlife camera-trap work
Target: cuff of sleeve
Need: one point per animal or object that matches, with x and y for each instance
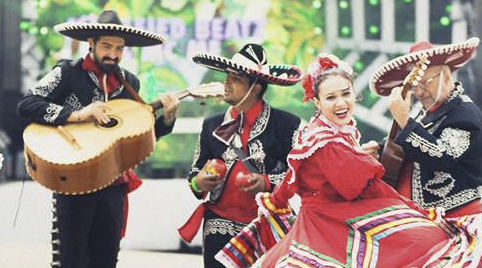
(403, 134)
(162, 128)
(267, 207)
(198, 194)
(435, 214)
(267, 183)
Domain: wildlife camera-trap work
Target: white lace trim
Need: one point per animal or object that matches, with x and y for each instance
(48, 83)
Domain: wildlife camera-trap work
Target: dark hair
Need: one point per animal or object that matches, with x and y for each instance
(261, 82)
(95, 39)
(331, 72)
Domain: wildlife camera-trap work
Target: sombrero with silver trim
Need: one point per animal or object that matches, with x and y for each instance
(109, 24)
(392, 73)
(252, 61)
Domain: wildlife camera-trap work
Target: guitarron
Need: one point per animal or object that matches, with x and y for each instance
(80, 158)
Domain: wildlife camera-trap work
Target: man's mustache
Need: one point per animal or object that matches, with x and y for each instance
(112, 59)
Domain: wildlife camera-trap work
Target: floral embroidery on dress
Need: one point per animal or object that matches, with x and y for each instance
(52, 112)
(48, 83)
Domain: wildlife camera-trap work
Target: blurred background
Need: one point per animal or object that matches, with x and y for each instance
(365, 33)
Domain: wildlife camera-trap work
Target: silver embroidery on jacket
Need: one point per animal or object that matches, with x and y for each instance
(441, 184)
(195, 158)
(276, 178)
(48, 83)
(73, 103)
(98, 96)
(229, 157)
(452, 141)
(456, 141)
(222, 226)
(52, 112)
(257, 155)
(425, 145)
(260, 123)
(449, 201)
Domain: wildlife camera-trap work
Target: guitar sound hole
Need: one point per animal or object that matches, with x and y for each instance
(112, 123)
(63, 178)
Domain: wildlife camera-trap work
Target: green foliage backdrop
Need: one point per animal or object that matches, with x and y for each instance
(293, 34)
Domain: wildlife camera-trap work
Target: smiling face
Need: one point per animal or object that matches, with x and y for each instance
(107, 51)
(336, 99)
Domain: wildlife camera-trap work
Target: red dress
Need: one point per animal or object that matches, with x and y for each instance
(348, 217)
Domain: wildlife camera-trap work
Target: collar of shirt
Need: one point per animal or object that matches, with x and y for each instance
(251, 115)
(89, 65)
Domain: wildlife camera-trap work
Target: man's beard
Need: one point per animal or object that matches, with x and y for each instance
(105, 67)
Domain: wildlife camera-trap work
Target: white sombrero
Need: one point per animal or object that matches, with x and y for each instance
(392, 73)
(109, 24)
(252, 61)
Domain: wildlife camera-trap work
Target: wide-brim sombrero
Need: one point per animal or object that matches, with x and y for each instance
(251, 60)
(109, 24)
(393, 73)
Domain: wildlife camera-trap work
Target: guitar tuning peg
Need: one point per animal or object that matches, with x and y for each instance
(415, 83)
(421, 73)
(418, 78)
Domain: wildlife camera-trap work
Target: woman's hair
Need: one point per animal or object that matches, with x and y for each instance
(326, 65)
(333, 71)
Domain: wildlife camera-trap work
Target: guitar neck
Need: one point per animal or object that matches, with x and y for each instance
(179, 95)
(395, 127)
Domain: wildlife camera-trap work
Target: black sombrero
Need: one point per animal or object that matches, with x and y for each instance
(252, 61)
(109, 24)
(393, 73)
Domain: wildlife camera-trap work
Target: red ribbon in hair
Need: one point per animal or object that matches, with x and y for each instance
(314, 69)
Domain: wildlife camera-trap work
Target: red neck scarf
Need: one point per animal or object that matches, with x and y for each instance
(89, 65)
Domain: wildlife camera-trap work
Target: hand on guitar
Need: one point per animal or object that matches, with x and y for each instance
(171, 105)
(207, 182)
(371, 148)
(400, 107)
(94, 111)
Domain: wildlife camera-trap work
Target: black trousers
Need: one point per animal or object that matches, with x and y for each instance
(217, 232)
(86, 229)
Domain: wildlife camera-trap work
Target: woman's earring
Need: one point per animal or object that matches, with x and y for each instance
(359, 97)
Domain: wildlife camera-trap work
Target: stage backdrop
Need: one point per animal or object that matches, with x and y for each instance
(292, 32)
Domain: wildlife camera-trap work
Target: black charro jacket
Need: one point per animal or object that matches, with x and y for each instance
(270, 140)
(446, 150)
(67, 88)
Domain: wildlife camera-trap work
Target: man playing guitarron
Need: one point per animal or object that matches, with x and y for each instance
(443, 143)
(87, 228)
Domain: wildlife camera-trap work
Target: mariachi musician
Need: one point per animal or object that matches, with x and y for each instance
(251, 136)
(87, 228)
(442, 145)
